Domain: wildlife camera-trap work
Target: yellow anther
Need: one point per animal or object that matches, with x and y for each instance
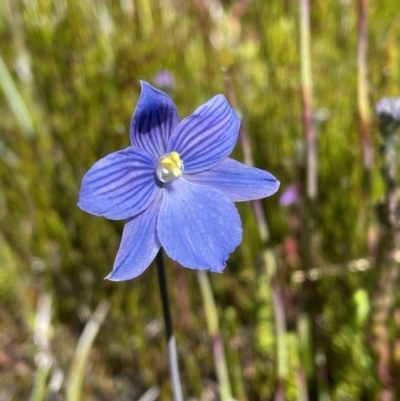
(170, 166)
(175, 157)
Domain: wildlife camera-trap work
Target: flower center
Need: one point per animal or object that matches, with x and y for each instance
(170, 167)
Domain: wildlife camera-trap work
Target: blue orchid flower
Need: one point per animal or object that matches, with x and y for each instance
(175, 185)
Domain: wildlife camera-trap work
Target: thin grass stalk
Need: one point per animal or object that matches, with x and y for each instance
(145, 15)
(150, 395)
(55, 384)
(40, 383)
(221, 367)
(304, 333)
(301, 380)
(22, 98)
(305, 320)
(15, 101)
(268, 256)
(77, 369)
(280, 323)
(364, 123)
(387, 262)
(381, 316)
(169, 330)
(362, 90)
(41, 339)
(308, 126)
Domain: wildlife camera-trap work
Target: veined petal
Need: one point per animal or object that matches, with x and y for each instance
(238, 181)
(139, 244)
(153, 121)
(120, 185)
(207, 137)
(198, 226)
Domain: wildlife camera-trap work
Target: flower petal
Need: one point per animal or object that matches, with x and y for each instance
(238, 181)
(139, 244)
(153, 121)
(291, 195)
(207, 137)
(198, 226)
(120, 185)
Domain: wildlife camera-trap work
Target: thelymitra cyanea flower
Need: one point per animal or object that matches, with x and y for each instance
(175, 185)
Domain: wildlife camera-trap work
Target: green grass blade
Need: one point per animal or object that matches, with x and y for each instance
(85, 343)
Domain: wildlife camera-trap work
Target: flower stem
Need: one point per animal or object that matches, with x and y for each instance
(169, 331)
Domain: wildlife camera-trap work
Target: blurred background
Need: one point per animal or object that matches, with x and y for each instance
(308, 306)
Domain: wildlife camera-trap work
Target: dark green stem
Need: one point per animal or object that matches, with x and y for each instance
(169, 330)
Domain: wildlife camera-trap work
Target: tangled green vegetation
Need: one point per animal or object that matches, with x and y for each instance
(69, 74)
